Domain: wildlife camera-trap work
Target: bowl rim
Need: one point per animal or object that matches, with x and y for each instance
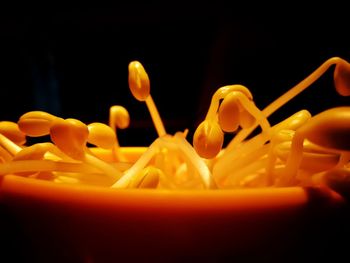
(237, 198)
(13, 187)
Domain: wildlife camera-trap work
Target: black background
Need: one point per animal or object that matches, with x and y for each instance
(73, 62)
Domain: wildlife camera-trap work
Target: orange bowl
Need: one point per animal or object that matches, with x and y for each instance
(52, 222)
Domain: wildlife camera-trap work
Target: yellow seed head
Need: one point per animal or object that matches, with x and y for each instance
(139, 83)
(36, 123)
(101, 135)
(11, 130)
(70, 136)
(228, 115)
(208, 139)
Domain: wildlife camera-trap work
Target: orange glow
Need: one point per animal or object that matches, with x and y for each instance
(258, 162)
(200, 199)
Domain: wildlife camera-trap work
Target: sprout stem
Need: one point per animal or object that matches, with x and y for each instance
(157, 121)
(290, 94)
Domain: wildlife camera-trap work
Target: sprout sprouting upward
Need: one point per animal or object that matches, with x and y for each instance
(139, 85)
(301, 150)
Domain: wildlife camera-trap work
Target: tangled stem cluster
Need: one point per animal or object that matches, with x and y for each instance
(301, 150)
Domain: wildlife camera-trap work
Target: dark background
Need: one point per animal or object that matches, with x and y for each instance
(73, 62)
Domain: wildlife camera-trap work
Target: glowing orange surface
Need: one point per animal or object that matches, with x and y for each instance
(78, 223)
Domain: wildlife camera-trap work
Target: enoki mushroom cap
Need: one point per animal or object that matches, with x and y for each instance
(70, 136)
(139, 83)
(342, 78)
(208, 139)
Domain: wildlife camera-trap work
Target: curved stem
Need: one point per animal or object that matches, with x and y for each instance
(278, 137)
(218, 95)
(250, 146)
(293, 161)
(113, 114)
(117, 155)
(290, 94)
(253, 110)
(157, 121)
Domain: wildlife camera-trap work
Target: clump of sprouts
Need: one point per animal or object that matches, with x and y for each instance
(301, 150)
